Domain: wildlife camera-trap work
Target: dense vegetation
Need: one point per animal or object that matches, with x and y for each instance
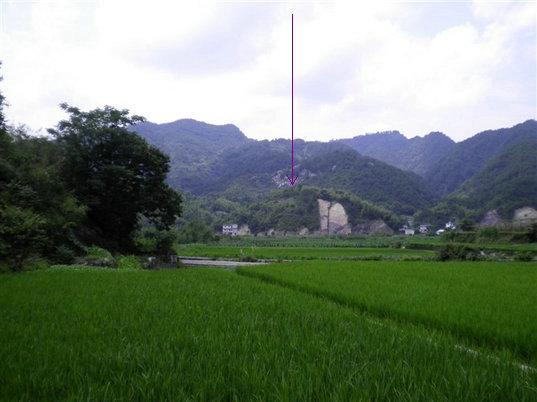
(246, 171)
(370, 179)
(79, 334)
(288, 209)
(417, 154)
(227, 174)
(192, 147)
(507, 182)
(470, 156)
(94, 182)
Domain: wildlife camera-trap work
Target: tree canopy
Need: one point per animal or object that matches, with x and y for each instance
(115, 173)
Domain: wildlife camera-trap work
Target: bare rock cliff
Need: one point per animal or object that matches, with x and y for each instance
(332, 218)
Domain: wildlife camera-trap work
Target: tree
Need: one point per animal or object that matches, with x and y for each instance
(116, 174)
(22, 234)
(467, 225)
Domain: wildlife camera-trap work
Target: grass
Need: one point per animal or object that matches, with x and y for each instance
(203, 334)
(299, 253)
(493, 304)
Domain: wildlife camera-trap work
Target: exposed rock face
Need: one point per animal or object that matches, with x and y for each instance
(525, 216)
(244, 230)
(377, 226)
(491, 218)
(333, 218)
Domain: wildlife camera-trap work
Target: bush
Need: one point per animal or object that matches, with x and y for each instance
(524, 256)
(22, 235)
(457, 252)
(247, 258)
(35, 264)
(63, 255)
(491, 233)
(460, 237)
(129, 262)
(154, 241)
(196, 232)
(97, 256)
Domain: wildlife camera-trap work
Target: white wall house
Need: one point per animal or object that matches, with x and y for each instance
(407, 230)
(450, 226)
(424, 228)
(231, 229)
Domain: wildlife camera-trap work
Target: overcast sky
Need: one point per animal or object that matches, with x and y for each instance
(416, 67)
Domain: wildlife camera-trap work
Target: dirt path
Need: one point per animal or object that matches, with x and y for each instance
(200, 262)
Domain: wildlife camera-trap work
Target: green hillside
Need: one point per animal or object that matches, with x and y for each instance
(470, 156)
(417, 154)
(192, 146)
(508, 181)
(370, 179)
(287, 209)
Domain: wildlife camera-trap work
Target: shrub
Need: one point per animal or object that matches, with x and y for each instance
(196, 232)
(460, 237)
(22, 235)
(129, 262)
(97, 256)
(247, 258)
(154, 241)
(489, 233)
(456, 252)
(524, 256)
(35, 264)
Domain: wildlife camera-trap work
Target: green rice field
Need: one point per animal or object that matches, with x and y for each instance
(485, 302)
(205, 334)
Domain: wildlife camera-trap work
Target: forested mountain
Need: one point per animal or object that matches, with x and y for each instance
(468, 157)
(492, 170)
(245, 170)
(376, 181)
(508, 181)
(192, 146)
(286, 209)
(417, 154)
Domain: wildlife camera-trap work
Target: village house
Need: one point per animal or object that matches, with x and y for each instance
(424, 228)
(231, 229)
(450, 226)
(407, 230)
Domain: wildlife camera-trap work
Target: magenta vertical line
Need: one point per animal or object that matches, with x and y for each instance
(292, 179)
(292, 100)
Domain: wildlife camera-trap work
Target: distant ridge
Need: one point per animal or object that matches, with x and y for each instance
(430, 174)
(417, 154)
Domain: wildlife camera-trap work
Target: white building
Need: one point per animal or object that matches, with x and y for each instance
(450, 226)
(424, 228)
(231, 229)
(407, 230)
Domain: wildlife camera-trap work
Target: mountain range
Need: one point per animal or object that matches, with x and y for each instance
(421, 176)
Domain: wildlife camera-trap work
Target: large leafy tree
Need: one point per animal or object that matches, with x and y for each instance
(115, 173)
(37, 213)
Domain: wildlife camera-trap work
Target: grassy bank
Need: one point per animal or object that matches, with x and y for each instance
(299, 253)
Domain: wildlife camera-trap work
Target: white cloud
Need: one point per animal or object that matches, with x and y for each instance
(359, 66)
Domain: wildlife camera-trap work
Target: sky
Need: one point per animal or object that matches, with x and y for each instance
(360, 67)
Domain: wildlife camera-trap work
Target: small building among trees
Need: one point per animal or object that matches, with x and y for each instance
(231, 229)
